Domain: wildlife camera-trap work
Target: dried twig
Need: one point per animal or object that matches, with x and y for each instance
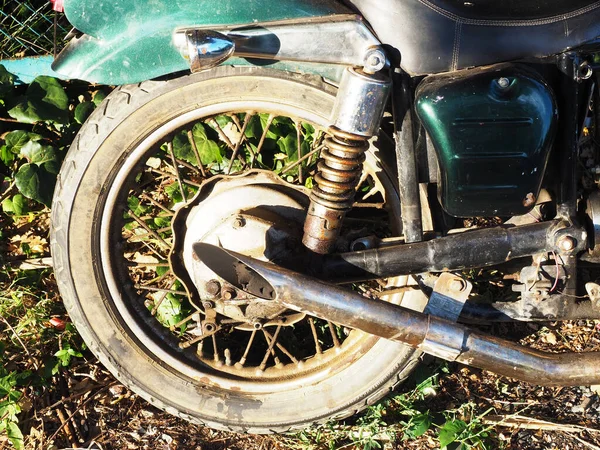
(81, 406)
(581, 441)
(529, 423)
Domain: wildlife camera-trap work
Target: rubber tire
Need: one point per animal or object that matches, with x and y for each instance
(134, 110)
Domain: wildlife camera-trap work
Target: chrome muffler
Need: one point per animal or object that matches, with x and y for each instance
(432, 335)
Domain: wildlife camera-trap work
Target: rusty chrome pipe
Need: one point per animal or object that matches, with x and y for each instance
(432, 335)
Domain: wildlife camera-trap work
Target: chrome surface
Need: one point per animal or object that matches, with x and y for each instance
(357, 113)
(340, 39)
(204, 49)
(428, 333)
(593, 212)
(360, 102)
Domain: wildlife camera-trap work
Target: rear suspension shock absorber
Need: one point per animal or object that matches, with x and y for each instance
(357, 114)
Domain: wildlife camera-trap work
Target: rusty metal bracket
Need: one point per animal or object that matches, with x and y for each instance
(448, 298)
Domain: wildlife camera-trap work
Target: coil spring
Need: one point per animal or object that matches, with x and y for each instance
(339, 169)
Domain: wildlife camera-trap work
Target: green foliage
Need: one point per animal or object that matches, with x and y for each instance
(32, 155)
(464, 430)
(65, 355)
(10, 396)
(7, 81)
(16, 205)
(44, 101)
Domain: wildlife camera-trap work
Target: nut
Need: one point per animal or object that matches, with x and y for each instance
(503, 83)
(457, 285)
(239, 222)
(566, 243)
(208, 305)
(213, 287)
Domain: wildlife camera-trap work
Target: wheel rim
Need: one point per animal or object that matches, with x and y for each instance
(159, 341)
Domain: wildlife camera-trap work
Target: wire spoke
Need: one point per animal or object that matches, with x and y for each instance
(301, 160)
(242, 360)
(151, 232)
(265, 132)
(157, 204)
(315, 336)
(190, 137)
(171, 175)
(282, 348)
(221, 133)
(270, 351)
(336, 341)
(163, 295)
(155, 289)
(299, 151)
(188, 344)
(249, 116)
(186, 320)
(176, 168)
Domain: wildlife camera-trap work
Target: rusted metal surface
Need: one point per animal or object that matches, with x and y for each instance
(479, 248)
(428, 333)
(357, 113)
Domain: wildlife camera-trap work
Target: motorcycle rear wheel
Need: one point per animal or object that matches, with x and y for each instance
(106, 152)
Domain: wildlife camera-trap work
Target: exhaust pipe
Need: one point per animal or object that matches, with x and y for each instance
(432, 335)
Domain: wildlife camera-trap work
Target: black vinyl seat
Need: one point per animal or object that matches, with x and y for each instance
(435, 36)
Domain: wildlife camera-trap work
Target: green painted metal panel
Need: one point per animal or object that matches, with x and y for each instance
(26, 69)
(492, 129)
(128, 41)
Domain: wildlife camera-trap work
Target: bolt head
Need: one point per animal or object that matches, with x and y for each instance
(208, 305)
(213, 287)
(374, 61)
(503, 82)
(239, 222)
(457, 285)
(566, 243)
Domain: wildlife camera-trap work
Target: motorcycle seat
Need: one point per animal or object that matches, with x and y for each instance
(433, 36)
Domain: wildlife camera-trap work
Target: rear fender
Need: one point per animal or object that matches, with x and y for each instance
(129, 41)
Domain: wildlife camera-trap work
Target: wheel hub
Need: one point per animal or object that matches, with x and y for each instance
(257, 215)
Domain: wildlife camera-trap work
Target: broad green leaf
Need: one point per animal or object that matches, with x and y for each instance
(448, 433)
(418, 425)
(162, 222)
(14, 435)
(161, 270)
(44, 101)
(15, 140)
(255, 128)
(83, 111)
(43, 155)
(289, 146)
(36, 183)
(209, 150)
(169, 311)
(6, 156)
(7, 82)
(99, 97)
(223, 120)
(182, 149)
(7, 383)
(136, 206)
(16, 205)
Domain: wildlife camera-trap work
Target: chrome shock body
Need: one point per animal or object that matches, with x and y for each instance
(357, 113)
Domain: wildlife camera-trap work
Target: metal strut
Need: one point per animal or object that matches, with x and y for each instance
(357, 113)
